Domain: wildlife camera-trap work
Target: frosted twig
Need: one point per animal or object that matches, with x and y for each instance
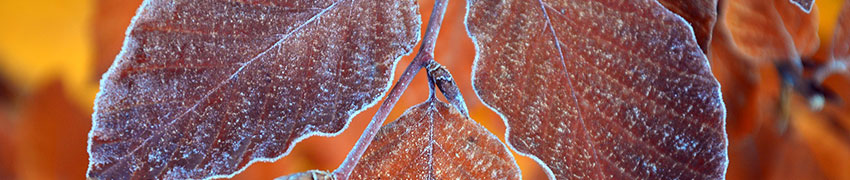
(425, 55)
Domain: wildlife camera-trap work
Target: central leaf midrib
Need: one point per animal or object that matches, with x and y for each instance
(572, 91)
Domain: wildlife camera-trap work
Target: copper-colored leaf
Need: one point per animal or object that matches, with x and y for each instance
(739, 78)
(771, 30)
(701, 14)
(600, 89)
(802, 26)
(49, 134)
(7, 145)
(841, 36)
(204, 88)
(435, 141)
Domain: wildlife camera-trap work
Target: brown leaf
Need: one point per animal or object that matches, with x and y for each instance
(802, 26)
(756, 30)
(204, 88)
(600, 89)
(435, 141)
(7, 145)
(49, 135)
(739, 79)
(771, 137)
(841, 36)
(770, 156)
(828, 141)
(701, 14)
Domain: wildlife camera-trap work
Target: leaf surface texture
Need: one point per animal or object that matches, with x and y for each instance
(203, 88)
(433, 140)
(600, 89)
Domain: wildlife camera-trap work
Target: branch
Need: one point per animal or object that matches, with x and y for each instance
(425, 55)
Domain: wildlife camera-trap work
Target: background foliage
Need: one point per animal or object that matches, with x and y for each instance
(53, 52)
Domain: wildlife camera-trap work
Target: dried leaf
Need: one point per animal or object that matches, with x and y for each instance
(600, 89)
(204, 88)
(755, 29)
(773, 137)
(739, 79)
(828, 140)
(841, 36)
(7, 145)
(435, 141)
(49, 135)
(768, 155)
(802, 26)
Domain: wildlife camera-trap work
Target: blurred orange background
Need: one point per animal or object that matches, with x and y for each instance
(53, 52)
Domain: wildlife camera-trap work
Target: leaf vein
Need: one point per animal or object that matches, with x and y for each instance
(232, 76)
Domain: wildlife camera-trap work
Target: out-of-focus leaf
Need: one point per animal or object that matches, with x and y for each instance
(828, 141)
(772, 138)
(739, 78)
(7, 145)
(701, 14)
(435, 141)
(771, 30)
(49, 133)
(768, 155)
(7, 93)
(203, 88)
(600, 89)
(841, 36)
(802, 26)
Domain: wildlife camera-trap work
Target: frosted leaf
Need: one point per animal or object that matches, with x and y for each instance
(599, 89)
(435, 141)
(202, 89)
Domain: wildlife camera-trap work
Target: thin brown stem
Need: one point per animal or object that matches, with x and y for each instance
(436, 20)
(422, 58)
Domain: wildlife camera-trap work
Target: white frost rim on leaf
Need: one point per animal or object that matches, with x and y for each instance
(128, 41)
(707, 66)
(475, 63)
(544, 166)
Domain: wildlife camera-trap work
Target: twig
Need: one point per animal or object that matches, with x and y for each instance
(425, 55)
